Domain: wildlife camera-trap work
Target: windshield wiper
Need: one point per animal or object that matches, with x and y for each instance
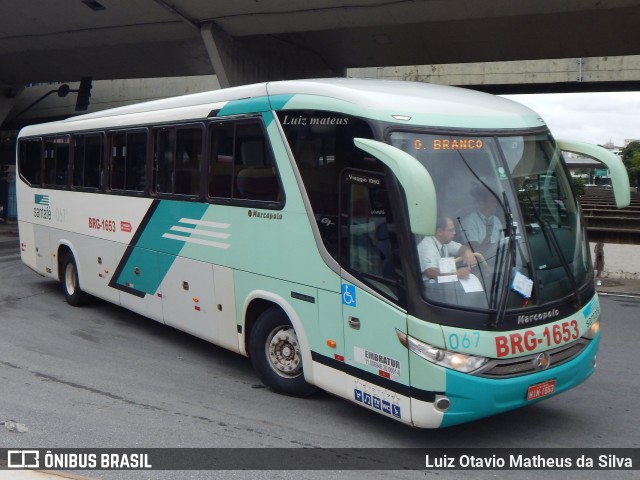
(506, 260)
(480, 264)
(552, 241)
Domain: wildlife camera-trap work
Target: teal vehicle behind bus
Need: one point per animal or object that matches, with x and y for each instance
(284, 221)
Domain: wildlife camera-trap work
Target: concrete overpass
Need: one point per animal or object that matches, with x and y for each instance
(587, 74)
(245, 41)
(522, 76)
(558, 75)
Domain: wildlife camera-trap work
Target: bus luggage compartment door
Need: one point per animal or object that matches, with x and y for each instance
(188, 298)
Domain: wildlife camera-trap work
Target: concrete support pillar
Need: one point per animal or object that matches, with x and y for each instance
(214, 41)
(241, 61)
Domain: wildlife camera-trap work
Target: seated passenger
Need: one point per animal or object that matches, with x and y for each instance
(482, 228)
(431, 250)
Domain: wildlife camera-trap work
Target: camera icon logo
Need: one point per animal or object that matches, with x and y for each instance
(23, 459)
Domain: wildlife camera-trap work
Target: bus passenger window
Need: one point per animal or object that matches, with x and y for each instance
(256, 180)
(118, 149)
(166, 142)
(136, 161)
(30, 160)
(221, 168)
(56, 161)
(242, 165)
(179, 151)
(87, 161)
(128, 161)
(188, 157)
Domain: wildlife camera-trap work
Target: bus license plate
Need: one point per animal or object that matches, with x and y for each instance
(541, 390)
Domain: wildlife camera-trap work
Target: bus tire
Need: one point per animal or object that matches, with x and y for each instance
(276, 355)
(71, 283)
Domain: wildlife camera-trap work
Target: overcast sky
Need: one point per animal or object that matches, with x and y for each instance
(589, 117)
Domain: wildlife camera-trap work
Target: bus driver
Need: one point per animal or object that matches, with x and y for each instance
(431, 250)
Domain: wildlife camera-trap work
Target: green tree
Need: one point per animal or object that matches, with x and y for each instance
(580, 187)
(631, 159)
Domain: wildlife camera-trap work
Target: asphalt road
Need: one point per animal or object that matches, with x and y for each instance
(101, 376)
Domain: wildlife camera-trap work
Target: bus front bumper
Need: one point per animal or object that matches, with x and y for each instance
(473, 397)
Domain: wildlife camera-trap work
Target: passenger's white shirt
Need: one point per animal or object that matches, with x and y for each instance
(475, 227)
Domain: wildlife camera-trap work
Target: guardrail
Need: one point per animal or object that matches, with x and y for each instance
(607, 223)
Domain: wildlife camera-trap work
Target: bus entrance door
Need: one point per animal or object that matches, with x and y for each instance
(369, 258)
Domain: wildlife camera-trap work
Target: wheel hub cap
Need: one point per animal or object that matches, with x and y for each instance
(284, 352)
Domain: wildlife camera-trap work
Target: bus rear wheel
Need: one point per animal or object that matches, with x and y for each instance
(276, 355)
(71, 283)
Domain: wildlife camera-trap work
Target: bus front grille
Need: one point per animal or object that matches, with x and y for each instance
(514, 367)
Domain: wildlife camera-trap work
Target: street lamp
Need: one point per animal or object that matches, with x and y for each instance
(82, 102)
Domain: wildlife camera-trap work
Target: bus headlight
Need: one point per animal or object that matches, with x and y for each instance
(593, 330)
(445, 358)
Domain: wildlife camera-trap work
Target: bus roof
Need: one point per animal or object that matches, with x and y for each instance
(413, 103)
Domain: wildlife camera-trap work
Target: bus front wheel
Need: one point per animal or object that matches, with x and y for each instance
(276, 355)
(71, 283)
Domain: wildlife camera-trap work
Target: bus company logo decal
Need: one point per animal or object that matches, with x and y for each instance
(41, 199)
(200, 232)
(387, 367)
(42, 209)
(253, 213)
(538, 317)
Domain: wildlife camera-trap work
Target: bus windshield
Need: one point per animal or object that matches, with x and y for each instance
(509, 232)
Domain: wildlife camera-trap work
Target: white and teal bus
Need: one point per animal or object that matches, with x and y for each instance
(283, 221)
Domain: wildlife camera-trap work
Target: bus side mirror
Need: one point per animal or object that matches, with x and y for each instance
(617, 171)
(415, 180)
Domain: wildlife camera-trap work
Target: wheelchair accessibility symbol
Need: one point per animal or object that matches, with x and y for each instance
(348, 295)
